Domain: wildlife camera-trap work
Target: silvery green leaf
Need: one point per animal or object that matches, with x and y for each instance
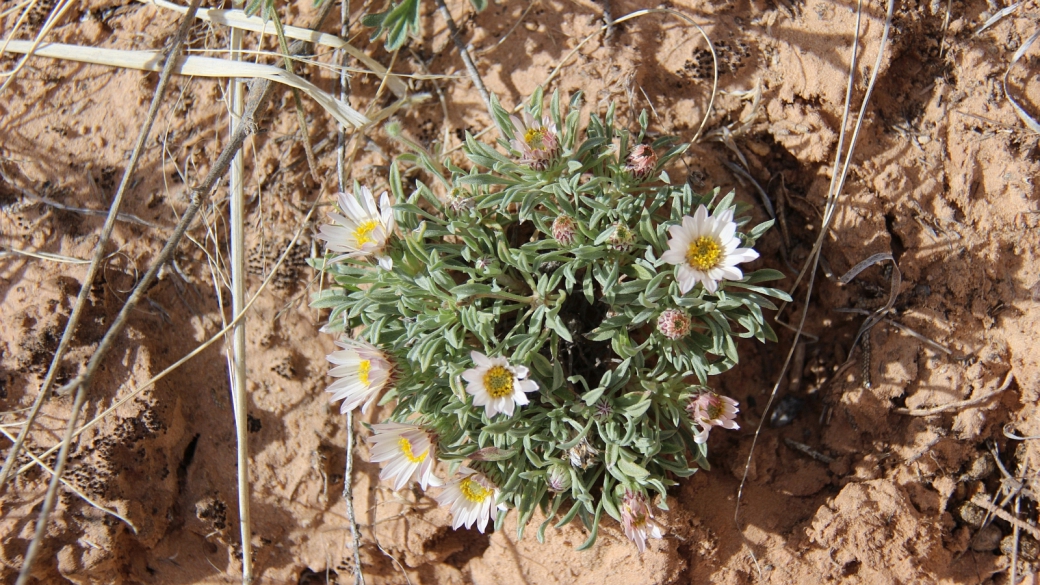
(631, 469)
(463, 291)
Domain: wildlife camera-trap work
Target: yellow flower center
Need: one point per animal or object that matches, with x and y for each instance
(363, 233)
(363, 369)
(473, 491)
(535, 137)
(703, 253)
(498, 382)
(714, 411)
(406, 448)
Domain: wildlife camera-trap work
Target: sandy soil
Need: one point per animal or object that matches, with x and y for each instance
(943, 178)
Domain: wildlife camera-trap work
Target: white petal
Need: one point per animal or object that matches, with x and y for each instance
(507, 405)
(673, 256)
(353, 209)
(490, 408)
(711, 285)
(687, 279)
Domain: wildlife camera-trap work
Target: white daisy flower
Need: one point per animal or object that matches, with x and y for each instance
(496, 385)
(362, 370)
(363, 230)
(711, 410)
(706, 249)
(407, 452)
(471, 497)
(638, 520)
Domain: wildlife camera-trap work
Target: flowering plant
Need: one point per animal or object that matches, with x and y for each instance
(551, 321)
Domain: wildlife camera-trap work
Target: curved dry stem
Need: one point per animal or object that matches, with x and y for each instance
(812, 263)
(1019, 110)
(960, 403)
(467, 59)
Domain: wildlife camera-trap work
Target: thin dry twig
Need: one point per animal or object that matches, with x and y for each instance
(999, 512)
(467, 59)
(237, 355)
(1011, 435)
(59, 467)
(834, 190)
(28, 194)
(4, 251)
(960, 403)
(341, 175)
(809, 451)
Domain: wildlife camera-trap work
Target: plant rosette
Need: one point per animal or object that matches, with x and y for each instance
(547, 329)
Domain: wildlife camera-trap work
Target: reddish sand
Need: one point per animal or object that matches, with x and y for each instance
(944, 177)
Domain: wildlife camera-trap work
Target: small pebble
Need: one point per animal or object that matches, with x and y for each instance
(971, 514)
(986, 539)
(786, 411)
(1028, 548)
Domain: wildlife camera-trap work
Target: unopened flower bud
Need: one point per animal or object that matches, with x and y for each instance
(622, 237)
(641, 161)
(673, 324)
(558, 478)
(564, 230)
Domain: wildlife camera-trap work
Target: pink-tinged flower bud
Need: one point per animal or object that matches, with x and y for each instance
(622, 238)
(536, 141)
(673, 324)
(711, 410)
(638, 520)
(641, 161)
(564, 230)
(558, 478)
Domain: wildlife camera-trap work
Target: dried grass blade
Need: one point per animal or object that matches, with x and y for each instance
(998, 16)
(238, 19)
(195, 66)
(4, 251)
(1022, 113)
